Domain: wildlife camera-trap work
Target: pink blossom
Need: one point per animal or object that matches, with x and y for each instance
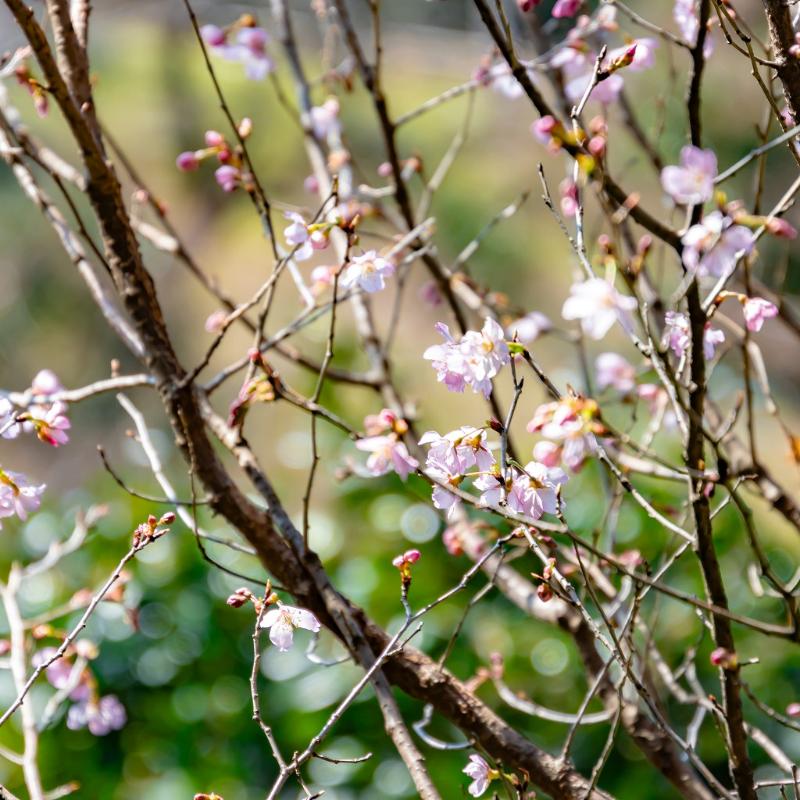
(713, 246)
(17, 495)
(99, 716)
(458, 451)
(480, 772)
(614, 370)
(325, 119)
(406, 559)
(473, 360)
(297, 236)
(529, 328)
(543, 128)
(52, 428)
(451, 538)
(531, 492)
(248, 48)
(503, 81)
(187, 161)
(573, 422)
(448, 360)
(443, 499)
(387, 453)
(46, 382)
(566, 8)
(282, 622)
(8, 414)
(693, 181)
(598, 305)
(213, 35)
(215, 321)
(59, 672)
(547, 453)
(684, 13)
(568, 190)
(368, 271)
(228, 177)
(756, 311)
(678, 334)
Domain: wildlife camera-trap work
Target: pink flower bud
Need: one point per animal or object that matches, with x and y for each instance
(245, 127)
(216, 320)
(781, 228)
(385, 170)
(214, 139)
(167, 519)
(187, 162)
(597, 146)
(227, 177)
(213, 35)
(311, 184)
(793, 710)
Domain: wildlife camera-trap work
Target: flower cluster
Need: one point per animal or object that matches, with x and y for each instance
(100, 715)
(241, 42)
(231, 173)
(571, 425)
(473, 360)
(678, 335)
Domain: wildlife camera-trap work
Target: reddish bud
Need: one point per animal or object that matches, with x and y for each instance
(187, 162)
(793, 710)
(724, 658)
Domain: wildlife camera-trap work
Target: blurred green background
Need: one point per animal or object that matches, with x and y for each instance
(183, 676)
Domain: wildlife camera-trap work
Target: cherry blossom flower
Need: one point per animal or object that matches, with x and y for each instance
(53, 426)
(614, 370)
(368, 271)
(598, 305)
(404, 560)
(99, 716)
(693, 181)
(17, 495)
(325, 119)
(756, 311)
(547, 453)
(387, 453)
(504, 82)
(566, 8)
(59, 672)
(282, 621)
(531, 491)
(228, 177)
(486, 352)
(247, 48)
(459, 450)
(684, 13)
(529, 328)
(443, 499)
(46, 382)
(574, 422)
(298, 236)
(473, 360)
(678, 335)
(9, 429)
(713, 246)
(481, 773)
